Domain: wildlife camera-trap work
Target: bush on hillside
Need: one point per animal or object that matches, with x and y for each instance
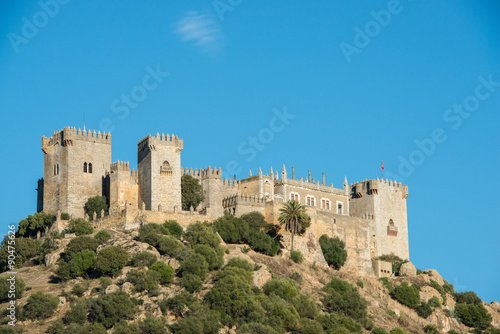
(177, 304)
(333, 250)
(108, 309)
(344, 299)
(424, 310)
(111, 260)
(38, 222)
(102, 237)
(238, 262)
(296, 256)
(165, 271)
(334, 323)
(144, 280)
(80, 226)
(17, 284)
(406, 294)
(26, 248)
(79, 244)
(80, 264)
(214, 260)
(143, 259)
(40, 306)
(173, 228)
(282, 287)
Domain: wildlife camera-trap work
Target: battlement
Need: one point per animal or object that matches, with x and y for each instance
(203, 173)
(66, 136)
(123, 166)
(373, 186)
(162, 140)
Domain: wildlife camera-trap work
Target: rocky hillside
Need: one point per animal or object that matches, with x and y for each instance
(167, 280)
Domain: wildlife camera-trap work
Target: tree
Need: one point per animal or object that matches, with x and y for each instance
(293, 215)
(111, 260)
(96, 204)
(333, 250)
(191, 192)
(80, 226)
(406, 294)
(26, 248)
(102, 237)
(343, 298)
(5, 288)
(166, 271)
(35, 223)
(40, 305)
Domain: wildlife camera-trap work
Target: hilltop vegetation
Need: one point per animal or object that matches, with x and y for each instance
(228, 276)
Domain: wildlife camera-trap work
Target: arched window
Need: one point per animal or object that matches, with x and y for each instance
(391, 222)
(166, 164)
(85, 167)
(90, 167)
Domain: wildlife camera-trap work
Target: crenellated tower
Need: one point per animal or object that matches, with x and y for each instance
(384, 202)
(75, 164)
(159, 172)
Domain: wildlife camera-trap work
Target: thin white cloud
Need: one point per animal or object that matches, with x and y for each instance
(201, 29)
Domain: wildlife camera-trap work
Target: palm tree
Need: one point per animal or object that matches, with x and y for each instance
(293, 215)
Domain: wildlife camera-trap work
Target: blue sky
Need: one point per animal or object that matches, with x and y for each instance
(413, 84)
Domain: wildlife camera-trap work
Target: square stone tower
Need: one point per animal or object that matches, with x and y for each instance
(384, 203)
(75, 165)
(159, 171)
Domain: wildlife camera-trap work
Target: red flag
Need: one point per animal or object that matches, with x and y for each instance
(382, 165)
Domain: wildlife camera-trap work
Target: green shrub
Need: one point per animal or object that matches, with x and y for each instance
(296, 256)
(379, 330)
(424, 310)
(152, 325)
(306, 307)
(333, 323)
(191, 192)
(40, 305)
(297, 277)
(232, 229)
(344, 299)
(122, 327)
(448, 287)
(285, 288)
(214, 260)
(78, 313)
(451, 331)
(144, 280)
(80, 226)
(397, 330)
(468, 297)
(195, 264)
(360, 284)
(173, 228)
(333, 250)
(111, 260)
(255, 327)
(262, 243)
(29, 227)
(191, 282)
(143, 259)
(281, 309)
(177, 304)
(169, 245)
(96, 204)
(366, 323)
(256, 221)
(26, 249)
(434, 302)
(239, 263)
(78, 290)
(308, 326)
(200, 320)
(165, 271)
(57, 327)
(102, 237)
(202, 233)
(108, 309)
(431, 329)
(406, 295)
(79, 244)
(17, 284)
(473, 315)
(105, 282)
(80, 264)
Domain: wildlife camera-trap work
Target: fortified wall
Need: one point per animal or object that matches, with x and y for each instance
(369, 216)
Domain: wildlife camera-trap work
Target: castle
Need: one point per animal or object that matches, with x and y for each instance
(370, 216)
